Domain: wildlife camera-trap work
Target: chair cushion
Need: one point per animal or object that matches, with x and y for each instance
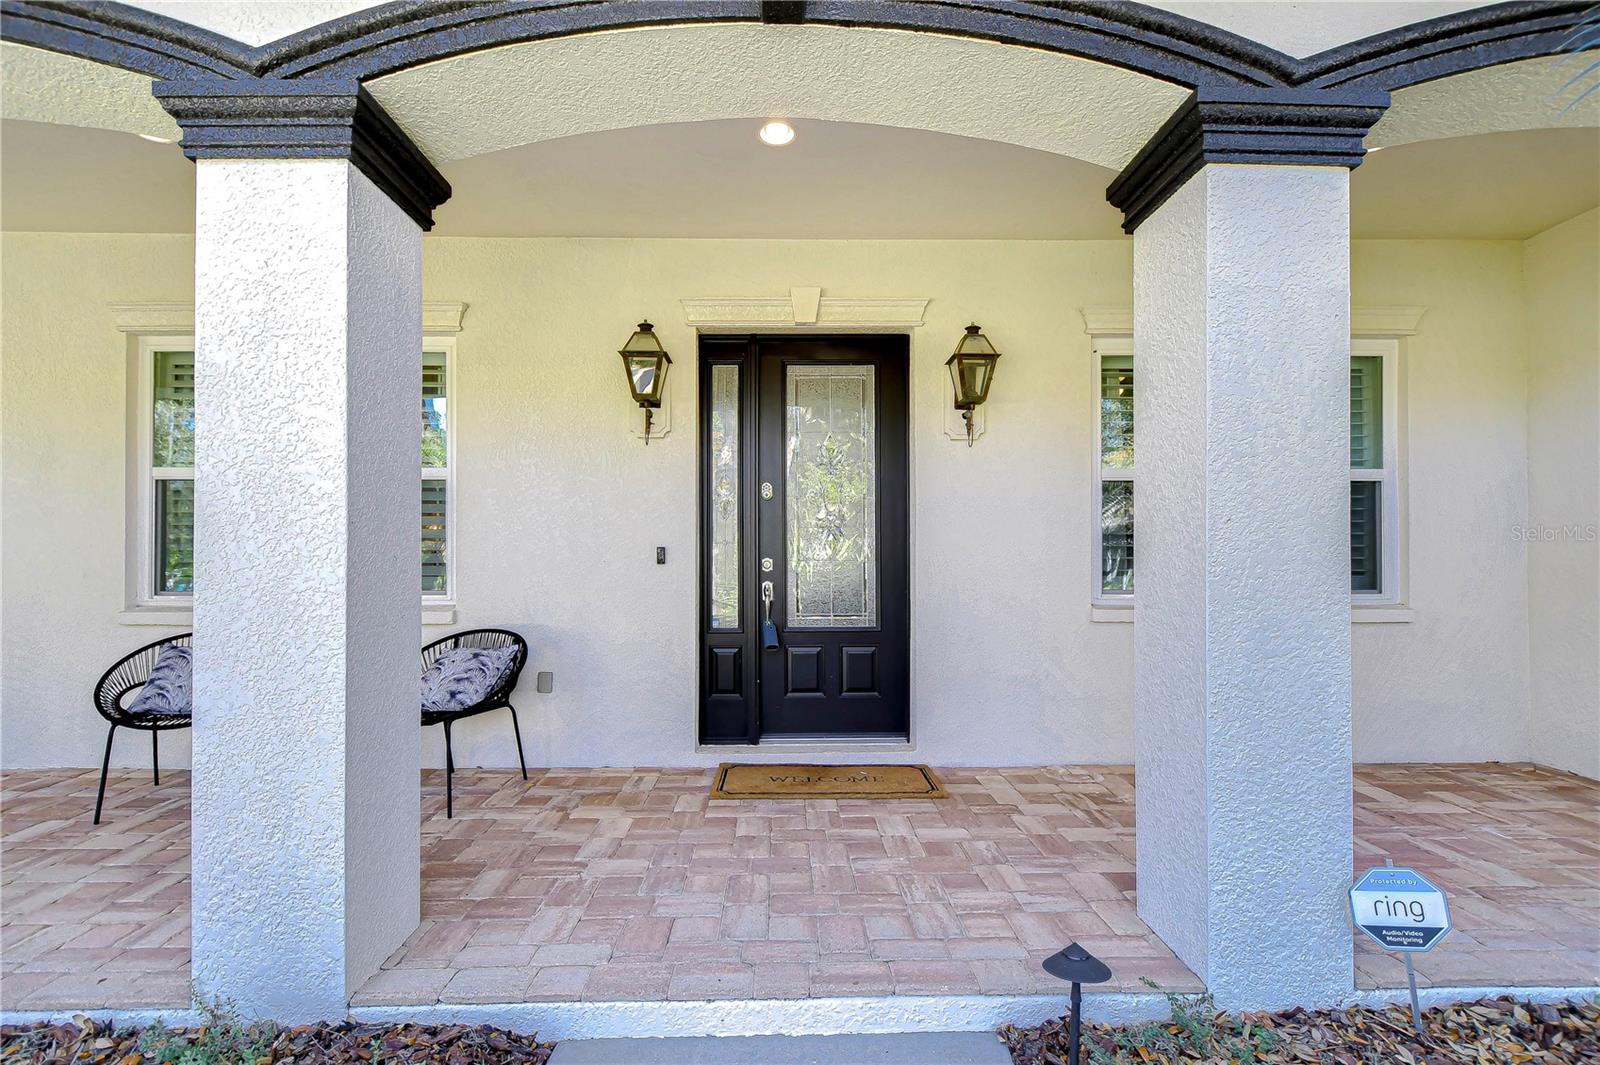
(167, 692)
(461, 679)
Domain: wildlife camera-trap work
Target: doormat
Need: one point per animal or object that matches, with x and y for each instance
(825, 782)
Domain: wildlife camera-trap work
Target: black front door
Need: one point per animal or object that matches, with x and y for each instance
(804, 586)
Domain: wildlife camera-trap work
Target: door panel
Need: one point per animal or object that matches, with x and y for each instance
(816, 455)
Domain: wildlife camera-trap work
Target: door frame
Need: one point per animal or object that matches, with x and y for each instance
(716, 725)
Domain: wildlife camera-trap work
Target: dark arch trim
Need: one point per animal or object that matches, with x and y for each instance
(1453, 44)
(126, 37)
(395, 36)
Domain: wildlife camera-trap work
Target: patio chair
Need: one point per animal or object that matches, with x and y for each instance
(499, 696)
(159, 712)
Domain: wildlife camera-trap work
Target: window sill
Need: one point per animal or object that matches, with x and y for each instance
(1100, 613)
(163, 616)
(183, 617)
(1382, 615)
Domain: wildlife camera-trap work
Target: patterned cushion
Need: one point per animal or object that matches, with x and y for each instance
(166, 693)
(460, 679)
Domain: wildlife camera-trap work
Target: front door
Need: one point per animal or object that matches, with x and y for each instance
(805, 597)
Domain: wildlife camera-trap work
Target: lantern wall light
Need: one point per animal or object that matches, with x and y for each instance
(645, 362)
(971, 372)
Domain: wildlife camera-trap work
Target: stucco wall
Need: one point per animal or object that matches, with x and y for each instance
(561, 506)
(1452, 684)
(1561, 268)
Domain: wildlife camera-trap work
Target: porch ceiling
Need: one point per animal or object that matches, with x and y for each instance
(837, 180)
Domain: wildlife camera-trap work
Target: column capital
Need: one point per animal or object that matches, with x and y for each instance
(1286, 127)
(304, 118)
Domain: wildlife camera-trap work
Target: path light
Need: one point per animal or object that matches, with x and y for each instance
(971, 370)
(645, 361)
(1078, 967)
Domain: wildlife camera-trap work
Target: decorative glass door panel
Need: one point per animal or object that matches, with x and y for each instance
(830, 453)
(804, 566)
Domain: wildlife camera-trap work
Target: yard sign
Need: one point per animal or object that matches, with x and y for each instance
(1399, 909)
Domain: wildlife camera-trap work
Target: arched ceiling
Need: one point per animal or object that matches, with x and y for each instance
(483, 102)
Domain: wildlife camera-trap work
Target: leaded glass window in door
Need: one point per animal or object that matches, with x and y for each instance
(831, 524)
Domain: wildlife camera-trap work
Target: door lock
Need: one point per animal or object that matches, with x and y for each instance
(766, 489)
(769, 631)
(766, 565)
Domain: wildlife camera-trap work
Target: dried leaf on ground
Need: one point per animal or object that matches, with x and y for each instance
(1498, 1031)
(87, 1042)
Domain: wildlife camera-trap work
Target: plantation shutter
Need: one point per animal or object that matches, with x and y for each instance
(1116, 410)
(435, 536)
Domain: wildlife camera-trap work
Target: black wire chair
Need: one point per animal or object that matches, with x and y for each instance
(118, 682)
(499, 697)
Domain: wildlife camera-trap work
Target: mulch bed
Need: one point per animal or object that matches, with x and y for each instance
(1498, 1031)
(90, 1043)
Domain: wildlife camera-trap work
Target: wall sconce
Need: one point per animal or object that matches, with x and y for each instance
(645, 362)
(971, 372)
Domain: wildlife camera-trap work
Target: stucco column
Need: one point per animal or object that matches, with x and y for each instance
(308, 335)
(1241, 634)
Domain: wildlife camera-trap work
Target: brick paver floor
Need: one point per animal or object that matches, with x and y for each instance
(1516, 849)
(93, 915)
(631, 884)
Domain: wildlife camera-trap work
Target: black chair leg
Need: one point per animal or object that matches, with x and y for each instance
(449, 774)
(518, 730)
(155, 757)
(105, 766)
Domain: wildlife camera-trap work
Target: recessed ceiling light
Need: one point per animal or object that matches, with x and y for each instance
(777, 133)
(153, 139)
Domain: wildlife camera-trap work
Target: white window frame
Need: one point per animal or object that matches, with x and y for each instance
(145, 604)
(1391, 497)
(146, 473)
(1102, 346)
(1393, 523)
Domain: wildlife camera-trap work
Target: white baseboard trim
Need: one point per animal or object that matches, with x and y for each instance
(801, 1016)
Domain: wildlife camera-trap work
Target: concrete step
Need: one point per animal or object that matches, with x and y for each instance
(918, 1048)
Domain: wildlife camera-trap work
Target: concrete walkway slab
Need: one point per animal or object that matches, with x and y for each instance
(920, 1048)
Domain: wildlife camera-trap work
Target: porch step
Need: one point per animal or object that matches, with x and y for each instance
(916, 1048)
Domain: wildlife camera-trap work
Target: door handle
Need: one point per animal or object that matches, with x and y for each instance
(769, 631)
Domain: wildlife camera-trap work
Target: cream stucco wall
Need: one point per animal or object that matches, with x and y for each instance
(561, 506)
(1452, 684)
(1562, 274)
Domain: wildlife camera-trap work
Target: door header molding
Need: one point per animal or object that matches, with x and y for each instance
(805, 307)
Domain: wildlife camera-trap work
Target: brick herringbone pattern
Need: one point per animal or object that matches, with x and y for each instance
(630, 884)
(633, 884)
(93, 915)
(1516, 849)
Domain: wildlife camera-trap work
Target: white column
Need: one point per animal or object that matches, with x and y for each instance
(1242, 638)
(306, 809)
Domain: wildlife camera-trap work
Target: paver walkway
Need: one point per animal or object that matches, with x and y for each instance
(630, 884)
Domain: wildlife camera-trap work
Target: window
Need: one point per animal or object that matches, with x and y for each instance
(1374, 472)
(437, 461)
(1113, 470)
(164, 495)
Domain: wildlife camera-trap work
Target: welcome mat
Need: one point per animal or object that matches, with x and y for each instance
(825, 782)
